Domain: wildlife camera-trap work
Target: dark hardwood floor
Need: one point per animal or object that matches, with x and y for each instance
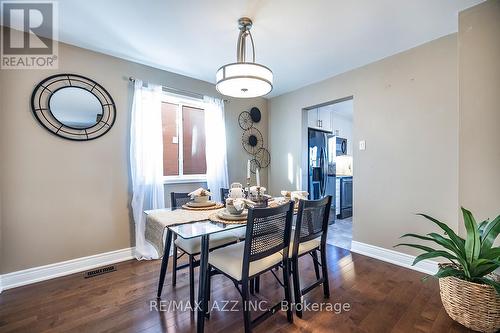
(382, 298)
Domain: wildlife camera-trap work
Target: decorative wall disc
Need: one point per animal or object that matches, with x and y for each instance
(263, 158)
(252, 140)
(73, 107)
(245, 120)
(255, 114)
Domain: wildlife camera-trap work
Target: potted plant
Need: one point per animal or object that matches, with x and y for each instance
(469, 287)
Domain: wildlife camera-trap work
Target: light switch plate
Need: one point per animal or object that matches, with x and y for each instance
(362, 145)
(175, 139)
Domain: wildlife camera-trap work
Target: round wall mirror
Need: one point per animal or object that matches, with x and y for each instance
(75, 107)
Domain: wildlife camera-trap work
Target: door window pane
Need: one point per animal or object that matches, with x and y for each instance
(193, 131)
(170, 139)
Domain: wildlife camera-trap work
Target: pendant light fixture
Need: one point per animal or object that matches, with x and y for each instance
(244, 79)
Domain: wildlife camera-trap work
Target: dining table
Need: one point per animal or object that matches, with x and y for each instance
(188, 229)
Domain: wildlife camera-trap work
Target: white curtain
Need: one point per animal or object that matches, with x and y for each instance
(215, 146)
(146, 161)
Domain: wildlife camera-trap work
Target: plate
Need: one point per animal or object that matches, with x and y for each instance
(225, 215)
(200, 204)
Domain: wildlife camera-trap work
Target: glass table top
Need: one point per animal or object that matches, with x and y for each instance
(199, 228)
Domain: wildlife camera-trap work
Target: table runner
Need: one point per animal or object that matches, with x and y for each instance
(157, 221)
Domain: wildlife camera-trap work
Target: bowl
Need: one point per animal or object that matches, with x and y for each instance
(201, 199)
(231, 209)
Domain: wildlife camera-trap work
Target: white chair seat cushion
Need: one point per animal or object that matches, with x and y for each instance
(193, 245)
(230, 261)
(306, 246)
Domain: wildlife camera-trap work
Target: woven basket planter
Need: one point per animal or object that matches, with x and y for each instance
(476, 306)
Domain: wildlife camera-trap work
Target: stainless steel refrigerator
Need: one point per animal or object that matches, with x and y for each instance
(321, 173)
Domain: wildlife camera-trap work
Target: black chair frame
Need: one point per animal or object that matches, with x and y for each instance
(250, 255)
(311, 233)
(176, 201)
(224, 194)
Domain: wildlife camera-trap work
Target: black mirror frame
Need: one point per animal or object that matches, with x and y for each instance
(40, 106)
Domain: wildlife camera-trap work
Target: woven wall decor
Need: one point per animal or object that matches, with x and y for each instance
(245, 120)
(252, 140)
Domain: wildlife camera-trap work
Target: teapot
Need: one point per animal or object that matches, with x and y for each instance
(236, 191)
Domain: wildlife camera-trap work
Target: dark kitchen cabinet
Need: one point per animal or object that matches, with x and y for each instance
(345, 197)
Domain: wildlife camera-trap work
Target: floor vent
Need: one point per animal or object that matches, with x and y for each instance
(99, 271)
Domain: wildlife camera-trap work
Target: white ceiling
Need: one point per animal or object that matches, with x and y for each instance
(302, 41)
(344, 109)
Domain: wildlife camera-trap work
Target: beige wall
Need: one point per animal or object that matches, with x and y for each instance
(61, 199)
(479, 70)
(1, 171)
(405, 107)
(236, 153)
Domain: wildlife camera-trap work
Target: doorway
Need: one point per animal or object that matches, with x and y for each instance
(330, 164)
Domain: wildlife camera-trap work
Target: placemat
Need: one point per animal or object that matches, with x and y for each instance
(215, 218)
(275, 204)
(216, 206)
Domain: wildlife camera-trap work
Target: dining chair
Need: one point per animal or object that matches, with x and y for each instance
(192, 247)
(224, 194)
(266, 246)
(309, 237)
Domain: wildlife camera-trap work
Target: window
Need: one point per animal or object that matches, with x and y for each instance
(183, 124)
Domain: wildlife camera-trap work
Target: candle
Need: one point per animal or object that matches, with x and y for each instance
(257, 176)
(248, 169)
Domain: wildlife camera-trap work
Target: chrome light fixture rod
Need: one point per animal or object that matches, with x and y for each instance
(245, 24)
(244, 78)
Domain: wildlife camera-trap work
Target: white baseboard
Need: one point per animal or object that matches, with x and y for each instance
(394, 257)
(42, 273)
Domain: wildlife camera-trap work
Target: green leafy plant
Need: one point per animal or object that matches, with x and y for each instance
(471, 259)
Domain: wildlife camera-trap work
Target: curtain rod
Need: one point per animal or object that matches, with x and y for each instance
(179, 91)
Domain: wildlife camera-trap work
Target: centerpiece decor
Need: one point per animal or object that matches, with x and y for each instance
(469, 287)
(256, 193)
